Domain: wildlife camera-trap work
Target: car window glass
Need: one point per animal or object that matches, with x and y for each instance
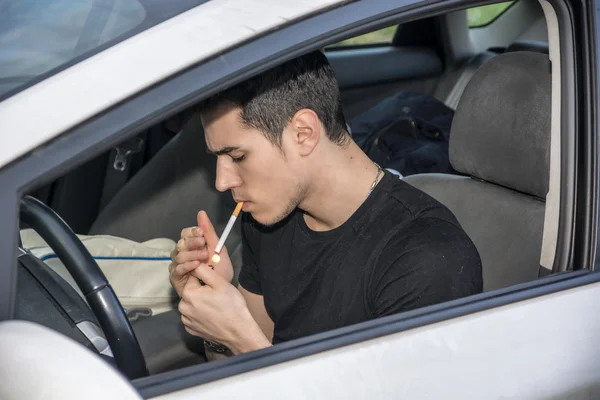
(485, 15)
(380, 37)
(39, 37)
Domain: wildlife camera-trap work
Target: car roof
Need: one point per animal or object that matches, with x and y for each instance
(92, 85)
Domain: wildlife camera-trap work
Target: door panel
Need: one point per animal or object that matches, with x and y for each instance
(542, 348)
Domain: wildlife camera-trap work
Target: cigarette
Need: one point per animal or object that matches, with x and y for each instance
(216, 258)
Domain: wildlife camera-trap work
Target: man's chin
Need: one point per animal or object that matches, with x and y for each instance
(265, 220)
(269, 220)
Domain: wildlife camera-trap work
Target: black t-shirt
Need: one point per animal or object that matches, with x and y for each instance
(399, 251)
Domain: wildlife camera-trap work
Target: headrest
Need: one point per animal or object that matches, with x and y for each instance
(501, 129)
(529, 45)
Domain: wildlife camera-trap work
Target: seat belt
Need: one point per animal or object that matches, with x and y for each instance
(470, 67)
(118, 169)
(552, 210)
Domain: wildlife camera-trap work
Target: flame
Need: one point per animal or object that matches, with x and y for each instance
(216, 258)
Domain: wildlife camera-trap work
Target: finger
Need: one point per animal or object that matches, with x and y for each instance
(184, 309)
(186, 268)
(192, 255)
(207, 275)
(190, 292)
(195, 242)
(192, 331)
(189, 327)
(173, 270)
(191, 289)
(186, 321)
(209, 230)
(188, 244)
(191, 232)
(193, 284)
(173, 255)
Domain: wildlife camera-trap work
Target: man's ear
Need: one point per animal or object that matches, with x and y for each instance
(306, 129)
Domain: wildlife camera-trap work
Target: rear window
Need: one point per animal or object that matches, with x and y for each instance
(383, 36)
(39, 38)
(481, 16)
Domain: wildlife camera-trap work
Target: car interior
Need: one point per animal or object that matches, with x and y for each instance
(495, 76)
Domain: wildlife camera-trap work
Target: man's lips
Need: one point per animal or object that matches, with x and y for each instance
(246, 203)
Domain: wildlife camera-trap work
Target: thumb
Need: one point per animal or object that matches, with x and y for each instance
(209, 230)
(207, 275)
(192, 284)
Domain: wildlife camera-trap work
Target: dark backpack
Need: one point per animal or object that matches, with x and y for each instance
(407, 132)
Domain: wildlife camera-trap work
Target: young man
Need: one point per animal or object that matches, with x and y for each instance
(329, 238)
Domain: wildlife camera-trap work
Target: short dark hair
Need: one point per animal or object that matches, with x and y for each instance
(269, 100)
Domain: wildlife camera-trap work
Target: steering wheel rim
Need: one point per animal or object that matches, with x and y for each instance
(91, 281)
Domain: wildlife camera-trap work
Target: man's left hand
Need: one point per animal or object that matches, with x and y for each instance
(218, 312)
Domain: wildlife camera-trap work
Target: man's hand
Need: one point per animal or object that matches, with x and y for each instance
(218, 312)
(196, 247)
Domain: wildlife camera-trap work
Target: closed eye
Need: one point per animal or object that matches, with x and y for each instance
(238, 159)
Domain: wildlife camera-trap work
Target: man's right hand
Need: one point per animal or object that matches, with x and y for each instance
(196, 247)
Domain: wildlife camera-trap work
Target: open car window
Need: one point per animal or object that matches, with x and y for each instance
(119, 202)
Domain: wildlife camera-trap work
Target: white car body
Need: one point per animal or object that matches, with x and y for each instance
(537, 341)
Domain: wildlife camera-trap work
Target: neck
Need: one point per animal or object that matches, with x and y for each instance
(339, 186)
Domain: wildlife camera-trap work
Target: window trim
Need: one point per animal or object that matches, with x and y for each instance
(586, 113)
(358, 46)
(185, 89)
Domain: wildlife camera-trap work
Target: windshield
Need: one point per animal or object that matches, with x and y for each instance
(40, 37)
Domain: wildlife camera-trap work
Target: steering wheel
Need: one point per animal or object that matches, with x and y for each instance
(92, 283)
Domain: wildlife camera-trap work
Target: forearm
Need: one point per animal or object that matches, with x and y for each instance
(250, 338)
(256, 306)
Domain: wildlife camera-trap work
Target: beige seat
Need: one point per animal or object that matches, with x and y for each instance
(500, 139)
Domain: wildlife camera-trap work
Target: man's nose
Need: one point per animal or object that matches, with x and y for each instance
(227, 178)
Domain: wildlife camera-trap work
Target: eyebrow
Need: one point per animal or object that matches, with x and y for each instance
(224, 150)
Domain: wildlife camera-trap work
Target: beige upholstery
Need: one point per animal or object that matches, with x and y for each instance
(505, 226)
(500, 137)
(137, 272)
